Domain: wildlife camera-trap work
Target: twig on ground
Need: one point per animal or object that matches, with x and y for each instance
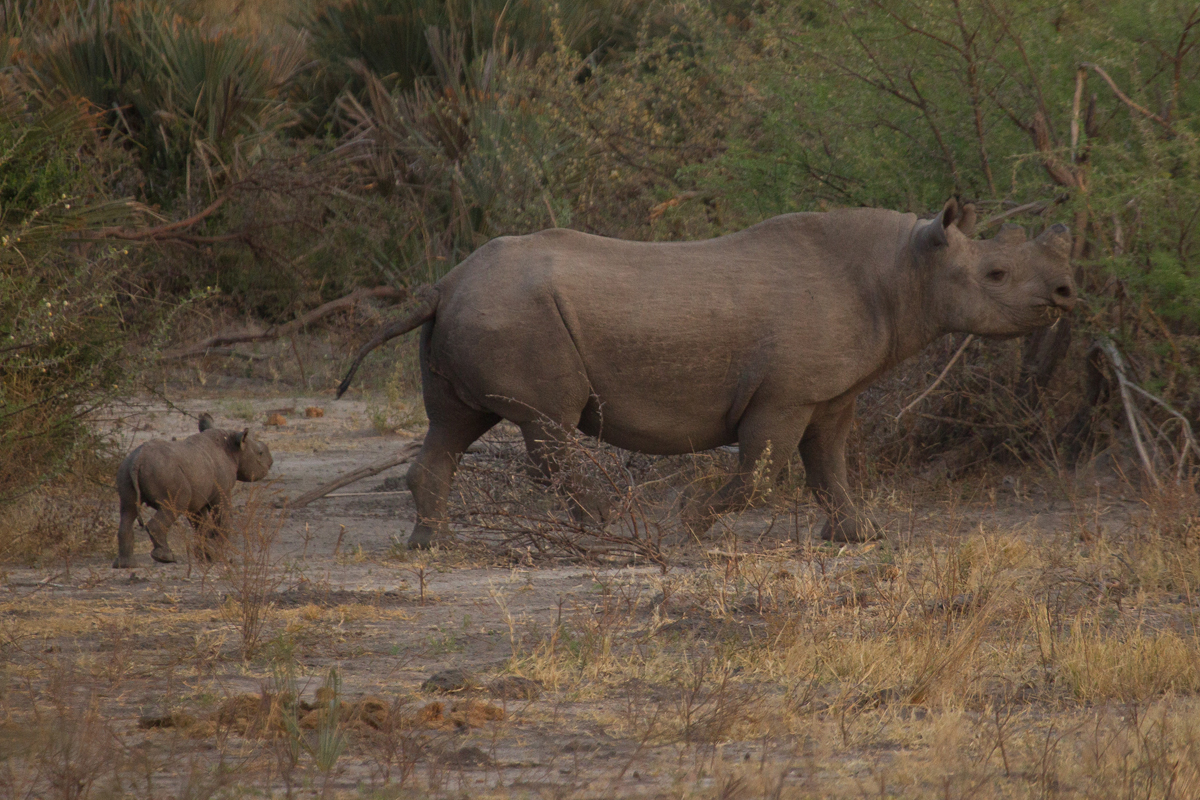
(404, 455)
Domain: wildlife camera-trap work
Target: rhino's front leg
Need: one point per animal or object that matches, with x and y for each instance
(823, 450)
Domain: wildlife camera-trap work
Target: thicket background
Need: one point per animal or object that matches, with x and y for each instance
(160, 155)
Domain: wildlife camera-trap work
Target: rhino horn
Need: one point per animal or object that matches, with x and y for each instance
(1056, 238)
(1011, 234)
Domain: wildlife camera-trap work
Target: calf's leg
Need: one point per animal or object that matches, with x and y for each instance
(157, 529)
(129, 513)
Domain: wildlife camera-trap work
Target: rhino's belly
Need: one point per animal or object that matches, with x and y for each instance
(669, 427)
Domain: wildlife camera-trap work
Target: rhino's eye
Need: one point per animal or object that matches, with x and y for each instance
(997, 275)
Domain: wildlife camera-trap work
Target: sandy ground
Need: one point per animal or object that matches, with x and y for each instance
(342, 591)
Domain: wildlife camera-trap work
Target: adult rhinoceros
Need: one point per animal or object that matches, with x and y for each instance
(763, 337)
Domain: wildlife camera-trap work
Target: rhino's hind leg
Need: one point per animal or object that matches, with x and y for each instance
(211, 533)
(124, 559)
(157, 529)
(433, 470)
(545, 443)
(823, 450)
(759, 429)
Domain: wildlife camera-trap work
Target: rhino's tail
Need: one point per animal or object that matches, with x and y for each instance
(424, 310)
(134, 470)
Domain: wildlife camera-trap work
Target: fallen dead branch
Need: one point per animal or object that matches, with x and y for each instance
(1141, 426)
(170, 230)
(404, 455)
(509, 504)
(209, 346)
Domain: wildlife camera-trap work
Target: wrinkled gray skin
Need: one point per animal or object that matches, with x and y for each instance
(194, 477)
(763, 337)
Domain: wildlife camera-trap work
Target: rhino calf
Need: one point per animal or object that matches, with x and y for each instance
(193, 477)
(763, 338)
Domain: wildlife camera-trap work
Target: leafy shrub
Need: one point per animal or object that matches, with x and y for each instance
(191, 96)
(62, 338)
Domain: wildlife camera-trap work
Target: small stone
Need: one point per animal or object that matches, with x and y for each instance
(314, 411)
(392, 484)
(514, 687)
(277, 419)
(449, 680)
(469, 756)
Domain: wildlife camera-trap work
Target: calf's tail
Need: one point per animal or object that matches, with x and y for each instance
(424, 310)
(137, 487)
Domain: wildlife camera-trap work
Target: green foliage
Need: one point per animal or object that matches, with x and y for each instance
(62, 343)
(36, 170)
(392, 38)
(448, 122)
(188, 95)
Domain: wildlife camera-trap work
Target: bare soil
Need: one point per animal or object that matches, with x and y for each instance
(753, 666)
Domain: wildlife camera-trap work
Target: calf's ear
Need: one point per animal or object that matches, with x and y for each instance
(932, 234)
(239, 439)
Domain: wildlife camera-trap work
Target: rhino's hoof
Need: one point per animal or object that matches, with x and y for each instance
(162, 555)
(421, 537)
(122, 563)
(853, 530)
(588, 508)
(696, 521)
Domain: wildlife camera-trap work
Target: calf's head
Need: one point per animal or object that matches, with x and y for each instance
(253, 457)
(1008, 285)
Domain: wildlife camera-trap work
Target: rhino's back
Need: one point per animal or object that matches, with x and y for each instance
(670, 337)
(197, 466)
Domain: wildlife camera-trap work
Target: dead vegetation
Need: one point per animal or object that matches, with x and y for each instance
(981, 651)
(1024, 630)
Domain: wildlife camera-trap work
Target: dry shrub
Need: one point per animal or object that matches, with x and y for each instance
(1100, 665)
(524, 511)
(53, 524)
(67, 751)
(248, 571)
(1140, 750)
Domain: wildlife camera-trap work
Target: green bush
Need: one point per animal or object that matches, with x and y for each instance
(63, 336)
(193, 98)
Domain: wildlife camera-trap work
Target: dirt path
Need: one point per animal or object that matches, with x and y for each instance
(753, 667)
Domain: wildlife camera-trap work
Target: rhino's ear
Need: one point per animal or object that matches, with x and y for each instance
(933, 234)
(965, 221)
(239, 439)
(1057, 239)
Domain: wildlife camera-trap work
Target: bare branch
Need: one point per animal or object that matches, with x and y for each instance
(405, 454)
(970, 338)
(289, 328)
(1124, 98)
